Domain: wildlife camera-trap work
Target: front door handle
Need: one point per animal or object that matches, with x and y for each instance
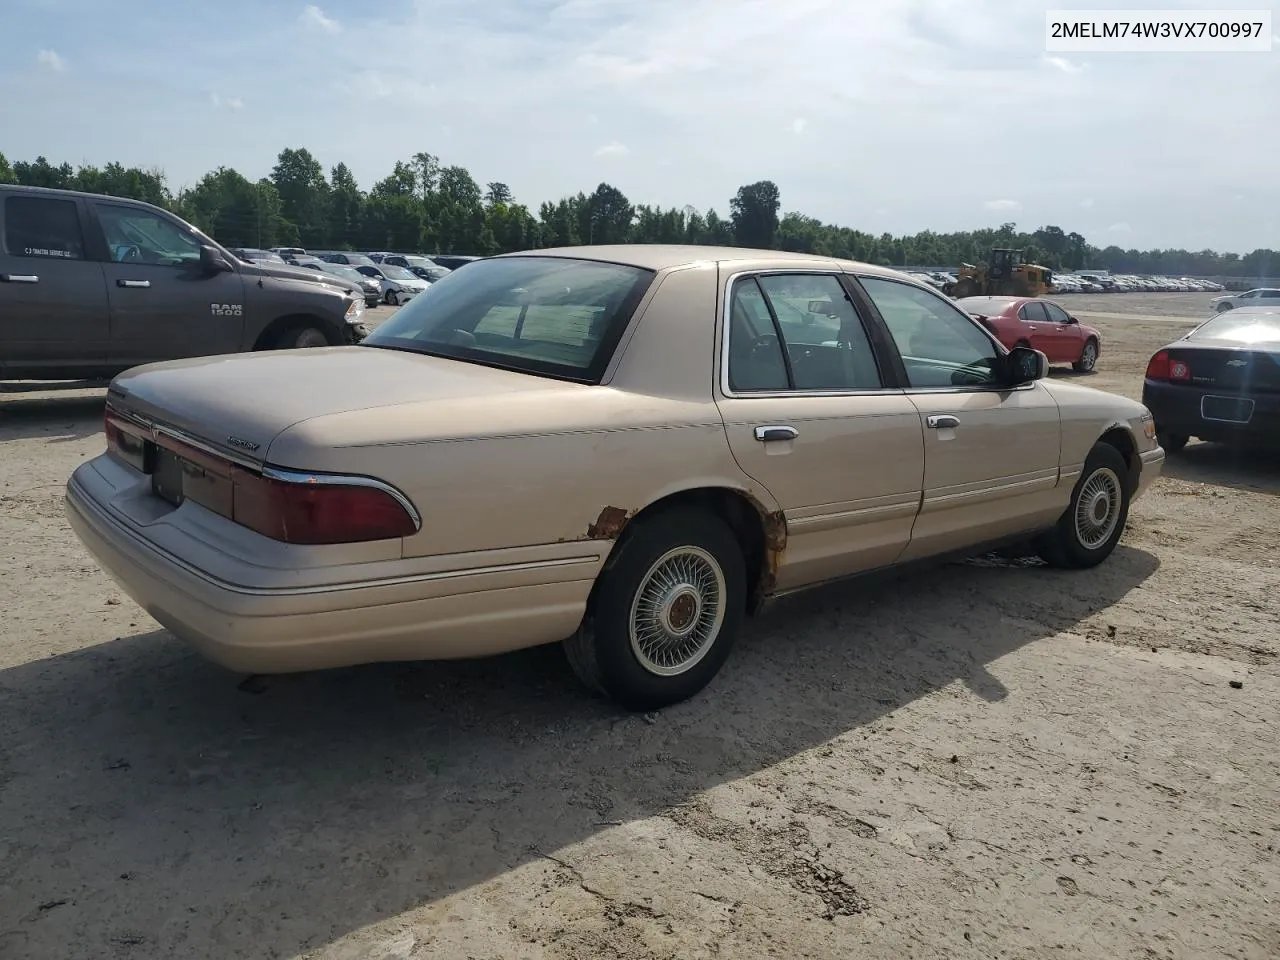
(940, 421)
(777, 432)
(140, 284)
(19, 278)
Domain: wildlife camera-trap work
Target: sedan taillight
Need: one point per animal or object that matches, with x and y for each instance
(1164, 367)
(315, 509)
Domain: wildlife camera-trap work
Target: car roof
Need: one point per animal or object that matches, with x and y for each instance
(662, 256)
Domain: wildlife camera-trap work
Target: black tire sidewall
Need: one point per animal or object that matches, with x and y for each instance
(620, 673)
(1076, 553)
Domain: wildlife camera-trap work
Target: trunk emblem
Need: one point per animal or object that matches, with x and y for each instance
(243, 444)
(1236, 363)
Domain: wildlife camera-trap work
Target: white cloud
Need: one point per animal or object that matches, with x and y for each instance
(51, 60)
(1121, 227)
(612, 149)
(1063, 64)
(230, 103)
(1001, 206)
(679, 81)
(1087, 203)
(313, 16)
(798, 125)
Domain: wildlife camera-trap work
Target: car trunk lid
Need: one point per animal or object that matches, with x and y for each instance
(237, 404)
(1226, 367)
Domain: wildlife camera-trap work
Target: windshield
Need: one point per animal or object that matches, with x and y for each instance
(392, 272)
(554, 316)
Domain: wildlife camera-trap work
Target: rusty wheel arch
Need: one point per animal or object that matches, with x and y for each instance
(762, 533)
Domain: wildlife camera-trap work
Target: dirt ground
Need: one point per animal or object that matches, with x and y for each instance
(988, 760)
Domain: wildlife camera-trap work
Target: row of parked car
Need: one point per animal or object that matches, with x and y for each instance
(1095, 283)
(382, 276)
(1126, 283)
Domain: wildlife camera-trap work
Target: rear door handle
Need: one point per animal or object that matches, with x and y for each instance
(940, 421)
(776, 432)
(133, 283)
(19, 278)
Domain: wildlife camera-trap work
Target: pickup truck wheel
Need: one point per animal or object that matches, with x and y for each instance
(665, 613)
(304, 336)
(1091, 526)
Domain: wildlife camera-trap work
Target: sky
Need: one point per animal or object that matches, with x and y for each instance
(904, 116)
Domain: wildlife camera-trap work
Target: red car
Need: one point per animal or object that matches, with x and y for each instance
(1037, 323)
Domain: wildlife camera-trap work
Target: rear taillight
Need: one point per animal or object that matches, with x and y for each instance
(1164, 367)
(314, 509)
(125, 441)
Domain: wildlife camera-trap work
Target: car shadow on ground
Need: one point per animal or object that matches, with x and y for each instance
(1226, 465)
(140, 780)
(59, 418)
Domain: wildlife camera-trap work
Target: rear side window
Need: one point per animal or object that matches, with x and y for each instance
(1033, 313)
(798, 332)
(42, 227)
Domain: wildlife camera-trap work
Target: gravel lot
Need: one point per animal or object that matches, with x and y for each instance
(989, 760)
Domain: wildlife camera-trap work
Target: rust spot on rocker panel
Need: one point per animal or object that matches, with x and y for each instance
(608, 526)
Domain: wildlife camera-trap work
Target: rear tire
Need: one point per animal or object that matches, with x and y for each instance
(1094, 521)
(665, 612)
(1224, 307)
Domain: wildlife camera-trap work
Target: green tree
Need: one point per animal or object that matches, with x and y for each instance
(607, 216)
(754, 214)
(299, 180)
(6, 172)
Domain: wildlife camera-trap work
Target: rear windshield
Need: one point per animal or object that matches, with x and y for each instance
(984, 306)
(1241, 326)
(553, 316)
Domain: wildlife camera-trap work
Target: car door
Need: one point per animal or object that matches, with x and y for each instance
(1035, 327)
(1068, 342)
(54, 316)
(164, 304)
(809, 416)
(991, 452)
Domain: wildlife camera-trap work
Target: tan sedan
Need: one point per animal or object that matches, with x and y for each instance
(626, 449)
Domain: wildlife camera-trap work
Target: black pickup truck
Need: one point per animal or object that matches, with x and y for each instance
(92, 285)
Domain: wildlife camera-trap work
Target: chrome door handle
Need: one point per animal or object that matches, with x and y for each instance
(942, 421)
(777, 432)
(19, 278)
(133, 283)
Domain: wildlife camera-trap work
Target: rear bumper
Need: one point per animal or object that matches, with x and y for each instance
(1180, 408)
(444, 614)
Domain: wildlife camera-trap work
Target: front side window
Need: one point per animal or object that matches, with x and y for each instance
(940, 346)
(553, 316)
(1056, 313)
(42, 227)
(139, 236)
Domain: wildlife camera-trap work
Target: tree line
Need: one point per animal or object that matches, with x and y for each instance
(425, 206)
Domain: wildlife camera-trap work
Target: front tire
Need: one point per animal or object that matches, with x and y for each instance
(1224, 307)
(1173, 442)
(665, 611)
(392, 298)
(1089, 529)
(1088, 357)
(303, 337)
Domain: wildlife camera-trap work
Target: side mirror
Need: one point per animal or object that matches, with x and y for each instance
(1025, 365)
(213, 261)
(1072, 320)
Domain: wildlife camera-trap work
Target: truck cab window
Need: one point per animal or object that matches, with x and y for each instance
(42, 227)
